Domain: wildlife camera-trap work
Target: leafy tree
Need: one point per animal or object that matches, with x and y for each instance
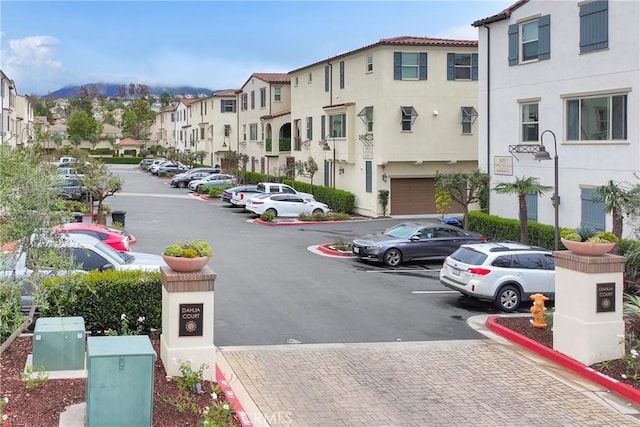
(109, 118)
(165, 99)
(618, 200)
(99, 181)
(200, 155)
(132, 89)
(137, 119)
(383, 199)
(83, 127)
(94, 91)
(81, 104)
(464, 188)
(307, 169)
(42, 107)
(83, 92)
(522, 186)
(30, 207)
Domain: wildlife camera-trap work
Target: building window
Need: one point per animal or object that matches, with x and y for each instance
(309, 128)
(253, 99)
(594, 26)
(410, 66)
(530, 40)
(369, 63)
(592, 214)
(602, 118)
(366, 115)
(409, 115)
(227, 105)
(341, 74)
(462, 66)
(368, 176)
(277, 94)
(202, 133)
(327, 76)
(532, 207)
(296, 80)
(529, 122)
(469, 116)
(310, 77)
(338, 126)
(253, 132)
(263, 97)
(244, 102)
(262, 131)
(323, 128)
(244, 132)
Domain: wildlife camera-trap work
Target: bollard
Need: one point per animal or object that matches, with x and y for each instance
(538, 310)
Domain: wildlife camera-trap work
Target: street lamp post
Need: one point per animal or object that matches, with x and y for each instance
(333, 164)
(543, 154)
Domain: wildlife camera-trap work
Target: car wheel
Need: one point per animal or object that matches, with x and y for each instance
(272, 211)
(508, 299)
(393, 257)
(182, 184)
(318, 211)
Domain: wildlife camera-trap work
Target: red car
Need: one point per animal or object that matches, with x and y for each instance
(117, 239)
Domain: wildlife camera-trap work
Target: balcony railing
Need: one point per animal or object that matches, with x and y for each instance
(284, 144)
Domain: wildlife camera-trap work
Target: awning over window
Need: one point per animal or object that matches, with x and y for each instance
(366, 115)
(469, 115)
(409, 111)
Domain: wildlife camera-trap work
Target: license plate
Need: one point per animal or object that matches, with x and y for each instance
(455, 271)
(356, 250)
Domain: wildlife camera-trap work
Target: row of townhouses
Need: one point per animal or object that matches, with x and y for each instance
(393, 114)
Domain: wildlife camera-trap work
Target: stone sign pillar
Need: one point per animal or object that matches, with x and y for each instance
(187, 320)
(587, 321)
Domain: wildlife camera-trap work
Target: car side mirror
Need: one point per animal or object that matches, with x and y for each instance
(415, 238)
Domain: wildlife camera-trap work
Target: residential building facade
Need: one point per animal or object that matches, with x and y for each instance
(564, 75)
(389, 116)
(7, 115)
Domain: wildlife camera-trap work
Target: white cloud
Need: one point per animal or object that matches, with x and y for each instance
(31, 62)
(461, 32)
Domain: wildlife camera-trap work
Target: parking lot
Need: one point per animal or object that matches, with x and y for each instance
(273, 288)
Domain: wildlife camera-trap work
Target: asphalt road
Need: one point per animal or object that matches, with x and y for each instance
(272, 289)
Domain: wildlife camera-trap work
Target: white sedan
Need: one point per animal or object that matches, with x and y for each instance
(283, 204)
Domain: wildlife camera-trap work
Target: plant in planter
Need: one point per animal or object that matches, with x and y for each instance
(187, 256)
(585, 241)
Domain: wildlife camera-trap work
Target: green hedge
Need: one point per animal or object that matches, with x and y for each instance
(102, 297)
(496, 228)
(337, 200)
(119, 160)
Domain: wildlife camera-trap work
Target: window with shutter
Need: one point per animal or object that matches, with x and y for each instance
(594, 26)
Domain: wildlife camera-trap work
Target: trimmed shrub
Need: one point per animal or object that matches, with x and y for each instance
(102, 297)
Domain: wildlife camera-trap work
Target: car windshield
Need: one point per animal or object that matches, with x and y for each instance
(117, 256)
(400, 231)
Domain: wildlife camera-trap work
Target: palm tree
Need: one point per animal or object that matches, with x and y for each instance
(618, 200)
(522, 186)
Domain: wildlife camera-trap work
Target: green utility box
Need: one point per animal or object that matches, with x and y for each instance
(58, 343)
(120, 381)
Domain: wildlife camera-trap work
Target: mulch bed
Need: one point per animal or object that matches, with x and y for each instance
(42, 406)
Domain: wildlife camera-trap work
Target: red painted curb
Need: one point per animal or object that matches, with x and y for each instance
(262, 222)
(325, 249)
(587, 372)
(244, 419)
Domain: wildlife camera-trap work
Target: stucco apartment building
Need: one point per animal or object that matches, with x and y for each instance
(16, 117)
(565, 74)
(389, 116)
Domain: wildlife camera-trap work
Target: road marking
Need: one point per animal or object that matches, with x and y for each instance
(434, 292)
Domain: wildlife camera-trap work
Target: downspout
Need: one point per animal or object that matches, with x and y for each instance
(488, 114)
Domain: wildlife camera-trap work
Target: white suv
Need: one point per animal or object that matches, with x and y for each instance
(505, 273)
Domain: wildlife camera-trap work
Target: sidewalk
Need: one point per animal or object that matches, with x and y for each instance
(490, 382)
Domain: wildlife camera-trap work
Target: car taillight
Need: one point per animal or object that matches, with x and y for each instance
(478, 271)
(241, 196)
(258, 203)
(125, 242)
(482, 239)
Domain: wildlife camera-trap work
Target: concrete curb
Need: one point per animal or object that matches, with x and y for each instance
(567, 362)
(324, 248)
(273, 224)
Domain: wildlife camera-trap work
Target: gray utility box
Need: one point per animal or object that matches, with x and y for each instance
(58, 343)
(120, 381)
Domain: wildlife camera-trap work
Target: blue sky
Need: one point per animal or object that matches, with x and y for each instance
(45, 45)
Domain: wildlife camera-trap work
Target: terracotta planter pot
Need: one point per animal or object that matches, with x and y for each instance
(586, 248)
(186, 265)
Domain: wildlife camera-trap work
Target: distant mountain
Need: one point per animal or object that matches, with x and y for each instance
(111, 90)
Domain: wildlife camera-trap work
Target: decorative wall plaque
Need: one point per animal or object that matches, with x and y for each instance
(191, 318)
(605, 297)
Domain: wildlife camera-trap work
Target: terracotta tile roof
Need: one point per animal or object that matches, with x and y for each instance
(278, 114)
(189, 101)
(399, 41)
(270, 78)
(107, 128)
(505, 14)
(228, 92)
(129, 142)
